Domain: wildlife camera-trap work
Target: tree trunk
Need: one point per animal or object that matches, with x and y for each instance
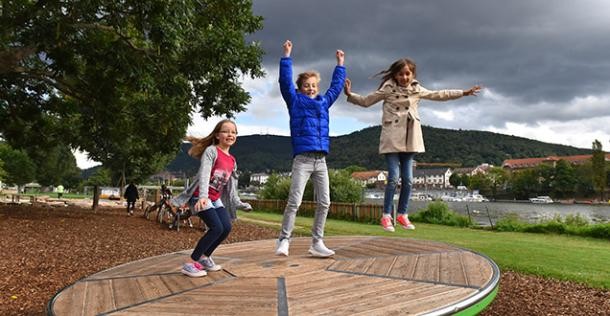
(96, 197)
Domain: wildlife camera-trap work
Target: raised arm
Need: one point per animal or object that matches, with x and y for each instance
(286, 85)
(287, 48)
(340, 57)
(338, 79)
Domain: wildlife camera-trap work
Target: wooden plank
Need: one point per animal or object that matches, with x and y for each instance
(71, 300)
(451, 269)
(477, 269)
(381, 266)
(153, 265)
(404, 267)
(126, 292)
(98, 297)
(427, 268)
(152, 287)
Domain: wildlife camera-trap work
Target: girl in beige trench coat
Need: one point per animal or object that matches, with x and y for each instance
(401, 135)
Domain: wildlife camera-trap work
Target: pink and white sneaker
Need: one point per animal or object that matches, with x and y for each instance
(404, 221)
(386, 223)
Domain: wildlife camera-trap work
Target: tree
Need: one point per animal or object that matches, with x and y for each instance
(2, 172)
(101, 177)
(584, 176)
(455, 180)
(19, 167)
(343, 188)
(480, 182)
(564, 182)
(524, 183)
(497, 179)
(55, 166)
(119, 79)
(599, 169)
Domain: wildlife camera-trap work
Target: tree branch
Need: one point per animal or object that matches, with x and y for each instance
(10, 59)
(113, 30)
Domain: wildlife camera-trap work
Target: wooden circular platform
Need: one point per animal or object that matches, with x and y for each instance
(367, 276)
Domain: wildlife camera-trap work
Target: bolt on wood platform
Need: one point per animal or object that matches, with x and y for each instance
(367, 276)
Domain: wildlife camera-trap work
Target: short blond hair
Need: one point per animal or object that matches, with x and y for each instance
(306, 75)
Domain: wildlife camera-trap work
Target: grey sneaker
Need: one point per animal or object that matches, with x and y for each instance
(318, 249)
(191, 270)
(282, 247)
(209, 264)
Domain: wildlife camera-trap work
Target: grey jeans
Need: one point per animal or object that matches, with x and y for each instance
(305, 166)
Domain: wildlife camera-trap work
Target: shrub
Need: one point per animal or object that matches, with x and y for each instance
(510, 223)
(438, 212)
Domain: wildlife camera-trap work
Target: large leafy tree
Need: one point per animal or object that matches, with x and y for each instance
(119, 79)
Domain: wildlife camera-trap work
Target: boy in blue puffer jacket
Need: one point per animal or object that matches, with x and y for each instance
(310, 144)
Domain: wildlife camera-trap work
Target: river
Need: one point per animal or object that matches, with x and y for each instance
(484, 212)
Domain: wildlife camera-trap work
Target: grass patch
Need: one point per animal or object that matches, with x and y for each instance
(580, 259)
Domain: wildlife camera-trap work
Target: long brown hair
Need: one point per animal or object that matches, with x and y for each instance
(200, 144)
(395, 68)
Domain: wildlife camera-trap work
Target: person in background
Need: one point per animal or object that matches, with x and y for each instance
(60, 191)
(131, 195)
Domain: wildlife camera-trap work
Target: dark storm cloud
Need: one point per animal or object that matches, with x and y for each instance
(539, 56)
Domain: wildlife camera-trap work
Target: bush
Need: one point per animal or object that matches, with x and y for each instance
(576, 220)
(597, 231)
(438, 212)
(575, 225)
(510, 223)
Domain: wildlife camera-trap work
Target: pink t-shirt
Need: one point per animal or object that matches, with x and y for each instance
(220, 174)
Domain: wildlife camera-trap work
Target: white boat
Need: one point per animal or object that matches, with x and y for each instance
(475, 198)
(543, 199)
(420, 197)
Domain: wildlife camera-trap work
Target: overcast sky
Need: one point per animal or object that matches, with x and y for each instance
(545, 65)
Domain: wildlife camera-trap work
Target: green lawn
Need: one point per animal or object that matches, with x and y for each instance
(580, 259)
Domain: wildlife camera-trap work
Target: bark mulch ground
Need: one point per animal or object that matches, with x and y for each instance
(46, 248)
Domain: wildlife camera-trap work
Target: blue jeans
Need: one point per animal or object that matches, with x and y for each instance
(403, 163)
(218, 221)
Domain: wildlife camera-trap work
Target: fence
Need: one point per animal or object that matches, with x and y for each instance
(366, 213)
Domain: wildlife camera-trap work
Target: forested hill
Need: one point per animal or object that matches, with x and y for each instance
(260, 153)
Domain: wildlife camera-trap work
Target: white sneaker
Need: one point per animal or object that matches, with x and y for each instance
(191, 270)
(318, 249)
(282, 247)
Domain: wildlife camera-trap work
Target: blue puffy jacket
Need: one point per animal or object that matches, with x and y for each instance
(309, 117)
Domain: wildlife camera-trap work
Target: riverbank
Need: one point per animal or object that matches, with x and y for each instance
(52, 247)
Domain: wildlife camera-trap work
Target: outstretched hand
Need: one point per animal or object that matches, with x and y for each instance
(347, 88)
(340, 57)
(287, 48)
(473, 91)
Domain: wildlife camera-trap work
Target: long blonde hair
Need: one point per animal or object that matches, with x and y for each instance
(200, 144)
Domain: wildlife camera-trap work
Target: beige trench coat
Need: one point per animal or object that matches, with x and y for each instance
(400, 123)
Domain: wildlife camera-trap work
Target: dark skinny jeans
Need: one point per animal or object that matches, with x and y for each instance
(218, 222)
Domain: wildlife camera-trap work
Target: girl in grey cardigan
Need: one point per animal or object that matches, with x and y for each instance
(213, 195)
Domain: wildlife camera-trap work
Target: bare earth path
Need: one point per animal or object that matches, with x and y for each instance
(47, 248)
